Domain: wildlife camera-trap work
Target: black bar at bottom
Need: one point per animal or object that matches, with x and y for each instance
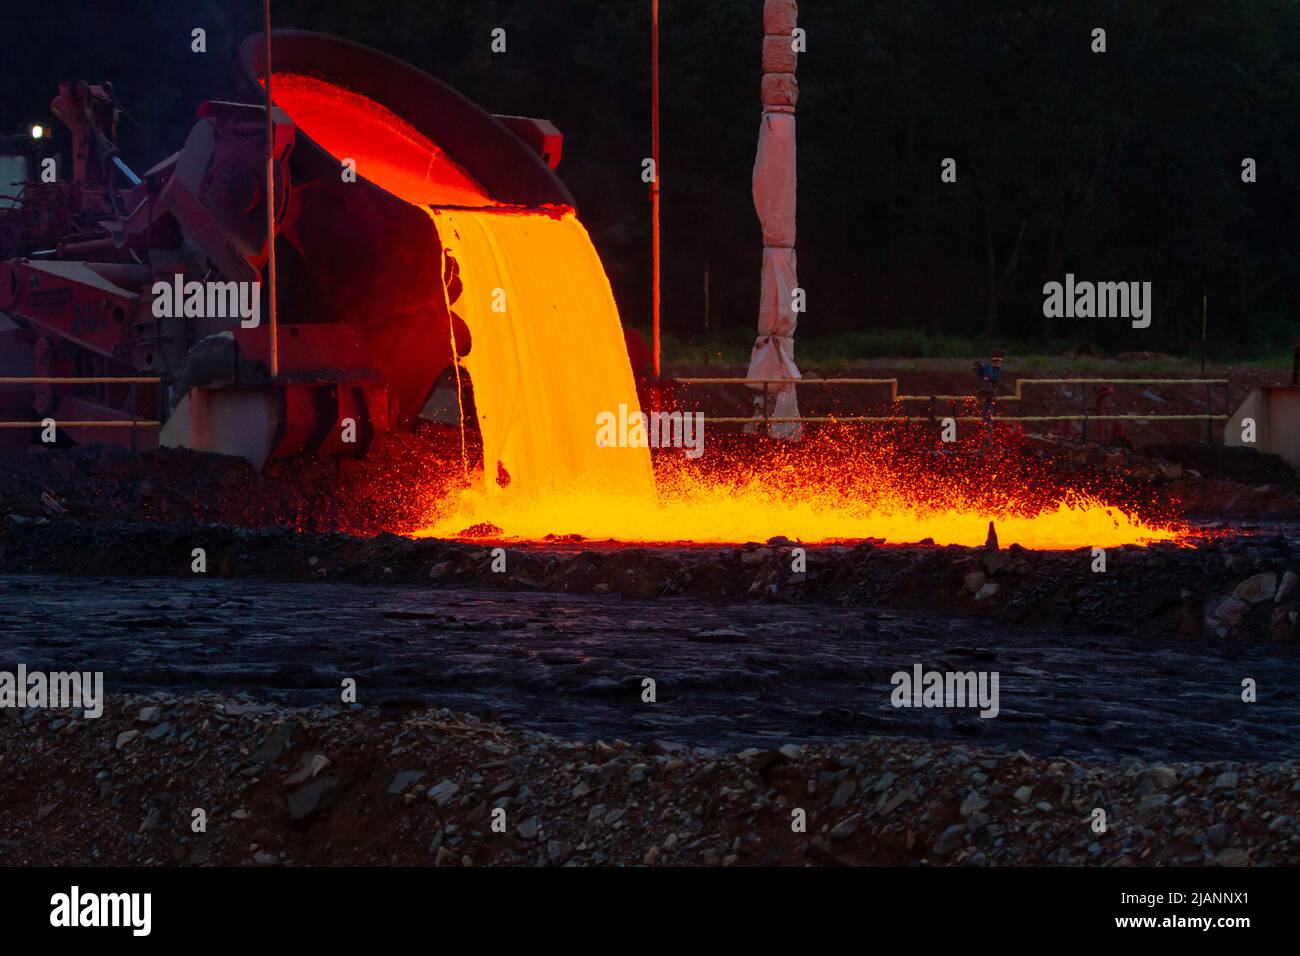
(329, 905)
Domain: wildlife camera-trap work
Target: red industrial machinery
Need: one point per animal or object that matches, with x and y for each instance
(364, 331)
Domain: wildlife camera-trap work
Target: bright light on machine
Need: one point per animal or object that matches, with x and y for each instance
(38, 131)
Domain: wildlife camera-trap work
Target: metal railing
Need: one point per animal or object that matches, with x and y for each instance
(132, 423)
(1209, 416)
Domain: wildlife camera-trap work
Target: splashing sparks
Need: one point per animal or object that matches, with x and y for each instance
(853, 497)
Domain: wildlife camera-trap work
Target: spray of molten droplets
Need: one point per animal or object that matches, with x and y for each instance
(547, 357)
(809, 508)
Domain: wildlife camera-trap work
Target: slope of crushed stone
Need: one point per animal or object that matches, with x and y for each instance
(356, 785)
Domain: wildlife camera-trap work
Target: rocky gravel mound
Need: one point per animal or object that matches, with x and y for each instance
(392, 488)
(227, 781)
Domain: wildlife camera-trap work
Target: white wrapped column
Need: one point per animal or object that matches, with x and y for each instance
(775, 181)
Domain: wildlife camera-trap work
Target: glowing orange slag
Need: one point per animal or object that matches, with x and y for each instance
(546, 352)
(547, 359)
(723, 511)
(387, 150)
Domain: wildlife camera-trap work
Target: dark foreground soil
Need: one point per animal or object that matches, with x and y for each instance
(351, 785)
(727, 675)
(1225, 589)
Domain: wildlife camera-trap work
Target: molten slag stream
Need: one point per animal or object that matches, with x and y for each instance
(547, 357)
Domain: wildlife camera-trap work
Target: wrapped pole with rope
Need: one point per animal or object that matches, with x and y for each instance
(775, 179)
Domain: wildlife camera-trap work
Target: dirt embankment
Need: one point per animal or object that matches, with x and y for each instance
(1230, 588)
(93, 511)
(392, 488)
(360, 785)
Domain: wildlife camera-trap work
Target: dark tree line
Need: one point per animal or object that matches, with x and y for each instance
(1123, 165)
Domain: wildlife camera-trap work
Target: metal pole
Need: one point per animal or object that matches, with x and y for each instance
(706, 307)
(1085, 412)
(706, 312)
(1209, 415)
(274, 358)
(1203, 332)
(654, 186)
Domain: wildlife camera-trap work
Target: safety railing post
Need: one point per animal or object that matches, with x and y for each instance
(1084, 395)
(1209, 413)
(134, 412)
